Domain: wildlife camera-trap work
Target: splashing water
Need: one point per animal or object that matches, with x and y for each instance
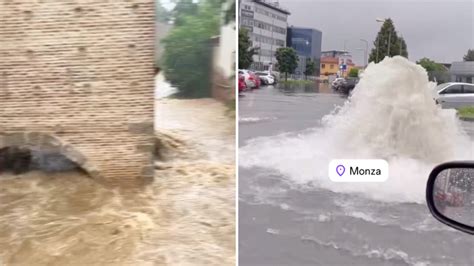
(391, 115)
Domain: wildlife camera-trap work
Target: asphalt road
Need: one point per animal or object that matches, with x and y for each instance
(281, 223)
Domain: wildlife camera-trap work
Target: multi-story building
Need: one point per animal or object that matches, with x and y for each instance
(266, 23)
(307, 43)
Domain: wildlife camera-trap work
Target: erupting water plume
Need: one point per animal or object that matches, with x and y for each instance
(391, 115)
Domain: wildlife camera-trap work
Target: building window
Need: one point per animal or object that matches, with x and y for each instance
(323, 65)
(331, 66)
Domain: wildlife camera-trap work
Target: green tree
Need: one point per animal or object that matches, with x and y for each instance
(183, 9)
(161, 14)
(436, 72)
(246, 51)
(229, 14)
(403, 45)
(430, 65)
(187, 57)
(310, 68)
(387, 37)
(469, 55)
(287, 60)
(354, 72)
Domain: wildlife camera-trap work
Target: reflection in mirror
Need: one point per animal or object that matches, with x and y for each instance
(454, 194)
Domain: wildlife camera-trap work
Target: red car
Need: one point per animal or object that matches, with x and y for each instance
(242, 85)
(255, 79)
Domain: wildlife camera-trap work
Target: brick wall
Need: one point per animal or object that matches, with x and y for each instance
(81, 72)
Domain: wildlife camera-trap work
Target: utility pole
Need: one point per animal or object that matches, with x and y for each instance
(365, 51)
(260, 48)
(271, 45)
(378, 40)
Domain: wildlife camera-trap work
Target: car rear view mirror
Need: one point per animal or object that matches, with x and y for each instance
(450, 195)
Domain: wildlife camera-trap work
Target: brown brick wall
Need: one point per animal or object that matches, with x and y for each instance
(81, 71)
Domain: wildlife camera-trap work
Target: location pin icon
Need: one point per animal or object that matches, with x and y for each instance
(340, 169)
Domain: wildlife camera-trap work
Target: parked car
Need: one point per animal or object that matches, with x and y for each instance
(251, 80)
(256, 79)
(454, 94)
(265, 78)
(337, 83)
(275, 75)
(348, 85)
(242, 85)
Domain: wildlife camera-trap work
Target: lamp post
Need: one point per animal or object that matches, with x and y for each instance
(366, 51)
(271, 45)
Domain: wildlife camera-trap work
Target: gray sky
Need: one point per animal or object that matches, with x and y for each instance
(442, 30)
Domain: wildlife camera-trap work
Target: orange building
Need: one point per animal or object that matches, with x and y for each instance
(330, 66)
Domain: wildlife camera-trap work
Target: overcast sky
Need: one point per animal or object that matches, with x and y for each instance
(442, 30)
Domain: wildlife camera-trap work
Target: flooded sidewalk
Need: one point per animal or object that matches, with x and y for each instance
(196, 176)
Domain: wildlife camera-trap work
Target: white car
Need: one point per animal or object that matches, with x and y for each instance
(248, 77)
(454, 94)
(266, 78)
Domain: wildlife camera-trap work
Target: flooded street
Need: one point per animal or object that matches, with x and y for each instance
(185, 216)
(291, 213)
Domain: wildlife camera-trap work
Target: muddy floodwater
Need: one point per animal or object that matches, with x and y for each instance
(185, 216)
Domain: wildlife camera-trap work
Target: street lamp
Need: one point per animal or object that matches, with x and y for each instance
(366, 50)
(382, 20)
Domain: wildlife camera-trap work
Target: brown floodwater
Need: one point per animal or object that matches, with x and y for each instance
(185, 216)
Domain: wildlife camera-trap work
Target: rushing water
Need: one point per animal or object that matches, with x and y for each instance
(186, 216)
(296, 215)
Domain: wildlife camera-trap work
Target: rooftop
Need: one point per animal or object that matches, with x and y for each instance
(335, 60)
(274, 6)
(462, 68)
(329, 59)
(303, 28)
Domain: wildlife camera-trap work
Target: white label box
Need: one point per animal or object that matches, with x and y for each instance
(366, 170)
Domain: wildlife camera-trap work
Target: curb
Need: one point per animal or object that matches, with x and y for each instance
(468, 119)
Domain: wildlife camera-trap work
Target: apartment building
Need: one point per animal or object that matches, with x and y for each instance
(266, 23)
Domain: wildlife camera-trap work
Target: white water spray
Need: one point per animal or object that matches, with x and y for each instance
(391, 115)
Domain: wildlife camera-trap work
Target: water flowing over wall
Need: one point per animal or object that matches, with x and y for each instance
(80, 72)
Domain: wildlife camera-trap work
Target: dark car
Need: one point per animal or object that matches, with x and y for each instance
(348, 85)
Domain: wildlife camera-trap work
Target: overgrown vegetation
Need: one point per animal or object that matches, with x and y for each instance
(353, 73)
(187, 57)
(436, 72)
(246, 51)
(430, 65)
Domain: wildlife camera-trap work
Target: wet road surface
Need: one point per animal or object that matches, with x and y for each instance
(282, 223)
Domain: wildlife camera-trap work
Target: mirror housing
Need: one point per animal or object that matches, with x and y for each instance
(448, 186)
